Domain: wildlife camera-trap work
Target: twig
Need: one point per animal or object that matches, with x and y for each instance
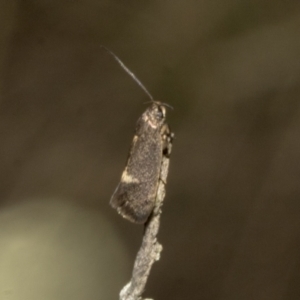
(150, 248)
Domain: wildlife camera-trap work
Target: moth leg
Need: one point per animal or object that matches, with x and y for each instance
(167, 138)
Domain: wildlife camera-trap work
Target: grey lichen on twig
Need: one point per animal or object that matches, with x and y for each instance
(150, 249)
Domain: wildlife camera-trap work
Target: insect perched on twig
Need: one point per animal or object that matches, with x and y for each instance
(134, 197)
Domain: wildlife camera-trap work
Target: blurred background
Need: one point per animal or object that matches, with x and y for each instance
(231, 219)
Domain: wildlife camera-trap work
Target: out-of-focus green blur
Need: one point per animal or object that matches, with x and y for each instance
(230, 224)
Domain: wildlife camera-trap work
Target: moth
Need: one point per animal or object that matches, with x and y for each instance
(134, 197)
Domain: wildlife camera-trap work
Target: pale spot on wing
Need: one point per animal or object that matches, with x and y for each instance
(147, 120)
(135, 138)
(127, 178)
(152, 125)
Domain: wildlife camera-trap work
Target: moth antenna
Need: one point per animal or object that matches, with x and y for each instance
(126, 69)
(167, 105)
(161, 103)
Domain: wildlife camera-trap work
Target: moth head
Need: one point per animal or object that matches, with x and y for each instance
(156, 114)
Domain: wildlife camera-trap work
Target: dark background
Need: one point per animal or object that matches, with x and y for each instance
(231, 218)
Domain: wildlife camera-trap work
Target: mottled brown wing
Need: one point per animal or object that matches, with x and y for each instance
(134, 197)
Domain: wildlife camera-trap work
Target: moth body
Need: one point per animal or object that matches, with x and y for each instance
(134, 197)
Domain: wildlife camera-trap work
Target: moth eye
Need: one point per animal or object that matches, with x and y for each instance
(159, 113)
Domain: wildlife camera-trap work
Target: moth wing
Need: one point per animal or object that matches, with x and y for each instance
(124, 200)
(134, 197)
